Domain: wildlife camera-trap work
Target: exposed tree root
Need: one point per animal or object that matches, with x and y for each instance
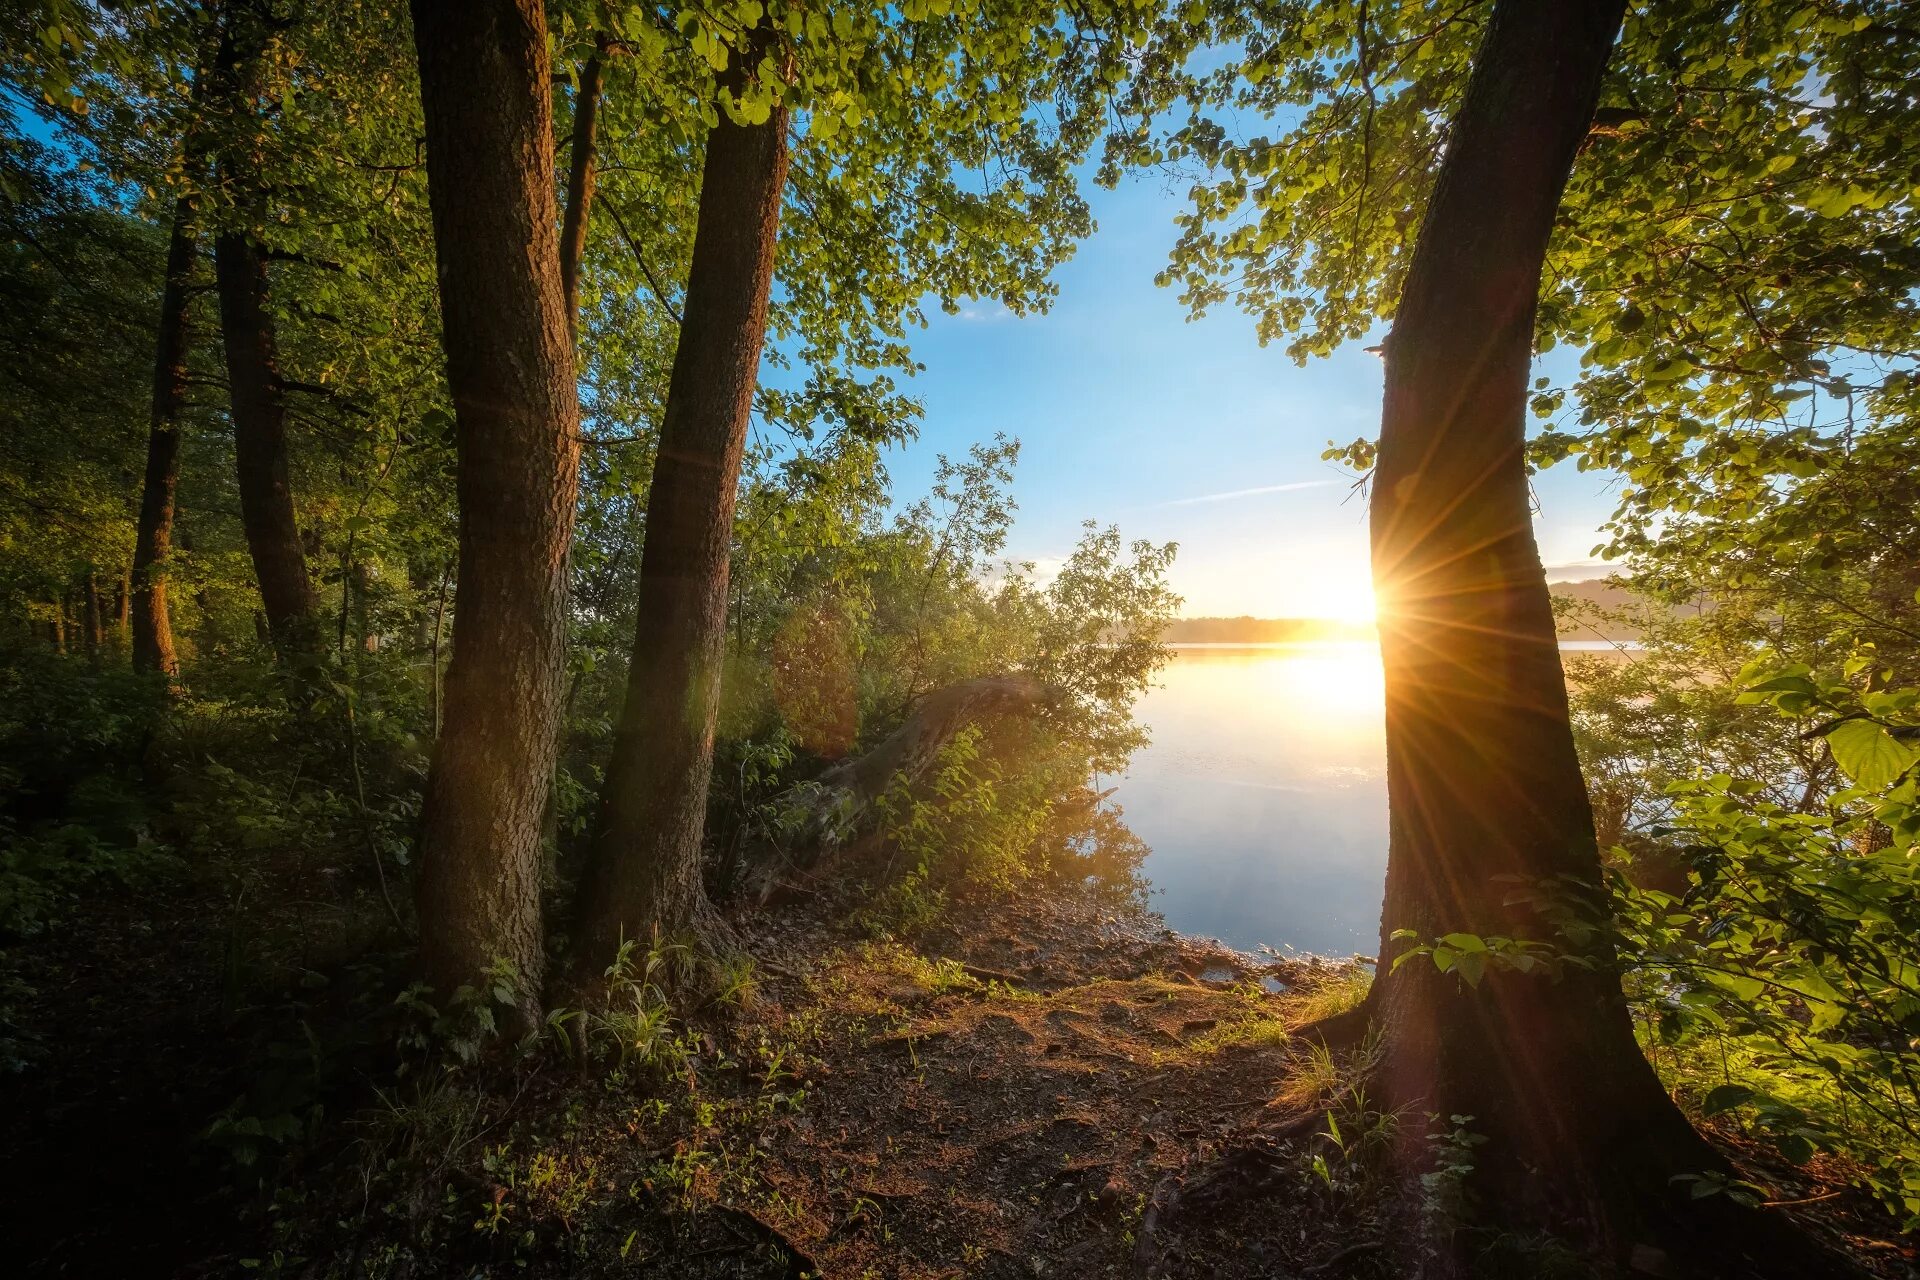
(1249, 1166)
(799, 1265)
(1659, 1230)
(1343, 1030)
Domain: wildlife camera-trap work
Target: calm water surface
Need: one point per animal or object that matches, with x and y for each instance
(1264, 794)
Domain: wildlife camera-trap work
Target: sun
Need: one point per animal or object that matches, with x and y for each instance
(1342, 598)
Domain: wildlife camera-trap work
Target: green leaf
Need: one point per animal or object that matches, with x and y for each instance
(1868, 754)
(1725, 1098)
(1784, 684)
(1734, 984)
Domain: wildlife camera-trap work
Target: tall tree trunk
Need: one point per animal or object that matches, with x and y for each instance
(644, 870)
(260, 440)
(153, 540)
(580, 178)
(257, 393)
(96, 622)
(484, 87)
(1484, 787)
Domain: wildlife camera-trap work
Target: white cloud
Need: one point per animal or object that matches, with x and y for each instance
(1231, 494)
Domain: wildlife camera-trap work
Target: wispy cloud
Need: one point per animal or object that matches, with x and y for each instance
(1231, 494)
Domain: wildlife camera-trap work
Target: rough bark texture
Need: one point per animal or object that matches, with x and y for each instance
(838, 804)
(483, 79)
(153, 539)
(644, 869)
(1484, 786)
(580, 177)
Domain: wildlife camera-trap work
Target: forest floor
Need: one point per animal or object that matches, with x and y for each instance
(1021, 1090)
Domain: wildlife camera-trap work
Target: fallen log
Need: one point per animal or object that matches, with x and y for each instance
(832, 814)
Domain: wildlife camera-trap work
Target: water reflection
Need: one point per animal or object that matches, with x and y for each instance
(1263, 795)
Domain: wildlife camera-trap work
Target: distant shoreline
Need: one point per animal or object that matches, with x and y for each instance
(1603, 601)
(1568, 644)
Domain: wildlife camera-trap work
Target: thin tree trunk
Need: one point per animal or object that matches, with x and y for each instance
(96, 623)
(484, 88)
(580, 180)
(433, 656)
(644, 869)
(152, 629)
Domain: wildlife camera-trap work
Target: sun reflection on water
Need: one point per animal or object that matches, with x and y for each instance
(1263, 794)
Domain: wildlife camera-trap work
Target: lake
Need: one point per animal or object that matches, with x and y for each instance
(1264, 794)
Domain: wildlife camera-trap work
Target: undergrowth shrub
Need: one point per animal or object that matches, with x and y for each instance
(1780, 987)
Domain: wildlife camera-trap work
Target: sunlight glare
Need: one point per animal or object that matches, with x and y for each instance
(1344, 598)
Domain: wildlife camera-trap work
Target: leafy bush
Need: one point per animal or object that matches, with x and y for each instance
(1784, 979)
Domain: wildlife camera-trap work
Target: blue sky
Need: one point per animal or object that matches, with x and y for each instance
(1176, 430)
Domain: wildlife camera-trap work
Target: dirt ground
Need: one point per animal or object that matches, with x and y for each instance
(1047, 1089)
(1050, 1088)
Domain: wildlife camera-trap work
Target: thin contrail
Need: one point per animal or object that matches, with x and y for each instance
(1248, 493)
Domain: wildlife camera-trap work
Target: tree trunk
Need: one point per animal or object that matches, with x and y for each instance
(484, 89)
(580, 178)
(96, 622)
(153, 540)
(260, 441)
(644, 866)
(257, 395)
(1484, 787)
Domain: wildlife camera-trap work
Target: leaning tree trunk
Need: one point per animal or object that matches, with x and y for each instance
(152, 629)
(483, 84)
(644, 868)
(1486, 796)
(1491, 831)
(260, 441)
(580, 179)
(257, 392)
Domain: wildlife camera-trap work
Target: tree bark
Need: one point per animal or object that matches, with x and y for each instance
(644, 866)
(1484, 787)
(260, 441)
(484, 88)
(96, 622)
(580, 179)
(257, 393)
(152, 628)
